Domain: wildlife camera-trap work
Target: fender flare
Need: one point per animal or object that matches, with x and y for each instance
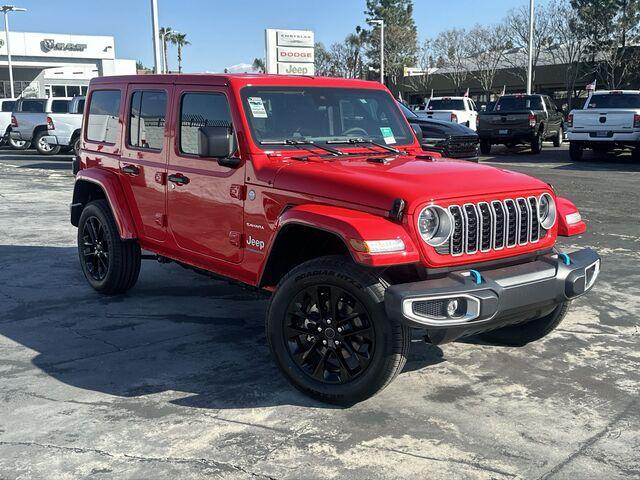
(353, 226)
(565, 207)
(109, 183)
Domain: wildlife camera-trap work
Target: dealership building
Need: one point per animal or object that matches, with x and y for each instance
(57, 65)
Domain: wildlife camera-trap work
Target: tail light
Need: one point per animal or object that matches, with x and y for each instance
(477, 121)
(50, 125)
(570, 120)
(454, 118)
(636, 121)
(14, 122)
(532, 120)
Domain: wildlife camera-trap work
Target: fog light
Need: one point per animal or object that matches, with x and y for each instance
(452, 308)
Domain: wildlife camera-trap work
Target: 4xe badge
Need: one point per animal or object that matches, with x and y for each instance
(255, 244)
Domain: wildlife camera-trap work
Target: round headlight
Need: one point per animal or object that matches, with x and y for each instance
(546, 211)
(434, 225)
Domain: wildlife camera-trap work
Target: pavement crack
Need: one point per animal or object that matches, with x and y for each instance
(201, 462)
(589, 442)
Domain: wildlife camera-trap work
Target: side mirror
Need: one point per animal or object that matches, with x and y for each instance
(218, 142)
(417, 129)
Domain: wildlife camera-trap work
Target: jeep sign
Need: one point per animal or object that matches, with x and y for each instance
(290, 52)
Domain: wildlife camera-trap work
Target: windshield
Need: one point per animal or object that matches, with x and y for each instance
(514, 104)
(614, 100)
(322, 114)
(445, 104)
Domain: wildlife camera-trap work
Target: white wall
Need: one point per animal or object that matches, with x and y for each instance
(118, 66)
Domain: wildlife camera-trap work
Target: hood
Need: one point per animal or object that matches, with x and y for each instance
(355, 180)
(440, 128)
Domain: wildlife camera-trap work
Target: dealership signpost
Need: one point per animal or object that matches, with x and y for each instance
(290, 52)
(6, 9)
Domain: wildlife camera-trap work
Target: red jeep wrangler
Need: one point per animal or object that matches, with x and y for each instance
(317, 191)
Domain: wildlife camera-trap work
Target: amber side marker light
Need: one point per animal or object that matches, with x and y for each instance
(378, 246)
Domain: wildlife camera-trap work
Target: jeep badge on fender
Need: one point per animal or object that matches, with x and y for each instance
(356, 234)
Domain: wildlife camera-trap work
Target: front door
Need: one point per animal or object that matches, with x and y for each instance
(205, 200)
(143, 162)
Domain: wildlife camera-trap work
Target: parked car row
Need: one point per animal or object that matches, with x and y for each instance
(47, 124)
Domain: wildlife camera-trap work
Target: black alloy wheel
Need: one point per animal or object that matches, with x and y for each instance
(329, 334)
(95, 249)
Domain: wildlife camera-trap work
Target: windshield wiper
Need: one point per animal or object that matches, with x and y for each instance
(303, 143)
(365, 141)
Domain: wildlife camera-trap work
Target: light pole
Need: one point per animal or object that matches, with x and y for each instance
(379, 21)
(156, 40)
(6, 9)
(530, 70)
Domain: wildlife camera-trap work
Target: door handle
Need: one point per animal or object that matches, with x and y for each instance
(178, 178)
(130, 170)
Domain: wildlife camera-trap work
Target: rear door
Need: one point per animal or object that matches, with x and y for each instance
(143, 163)
(205, 201)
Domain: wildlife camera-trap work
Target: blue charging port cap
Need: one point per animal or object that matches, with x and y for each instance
(566, 259)
(476, 276)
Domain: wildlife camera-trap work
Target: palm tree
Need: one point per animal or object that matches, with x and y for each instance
(165, 37)
(179, 40)
(258, 64)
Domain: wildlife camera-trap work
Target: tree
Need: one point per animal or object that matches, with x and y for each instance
(486, 47)
(517, 25)
(341, 59)
(259, 65)
(420, 81)
(569, 45)
(180, 41)
(452, 50)
(165, 34)
(322, 60)
(612, 28)
(400, 36)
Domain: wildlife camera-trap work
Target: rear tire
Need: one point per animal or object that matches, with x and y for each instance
(485, 147)
(521, 334)
(76, 146)
(576, 151)
(328, 300)
(559, 138)
(43, 147)
(635, 154)
(110, 265)
(19, 144)
(536, 143)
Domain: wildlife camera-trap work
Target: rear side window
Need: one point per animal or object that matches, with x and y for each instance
(147, 118)
(446, 104)
(80, 107)
(60, 106)
(102, 122)
(201, 110)
(8, 106)
(34, 106)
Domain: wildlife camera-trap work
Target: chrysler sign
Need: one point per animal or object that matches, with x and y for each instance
(49, 44)
(290, 52)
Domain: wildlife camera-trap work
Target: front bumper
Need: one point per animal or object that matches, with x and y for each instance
(498, 297)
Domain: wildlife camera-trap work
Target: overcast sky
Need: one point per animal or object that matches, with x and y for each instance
(225, 33)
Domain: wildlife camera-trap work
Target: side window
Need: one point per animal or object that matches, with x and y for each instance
(547, 104)
(147, 118)
(60, 106)
(8, 106)
(201, 110)
(80, 106)
(102, 122)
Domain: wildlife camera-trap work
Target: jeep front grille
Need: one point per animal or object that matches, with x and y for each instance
(486, 226)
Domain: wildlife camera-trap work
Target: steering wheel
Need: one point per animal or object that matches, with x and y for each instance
(353, 130)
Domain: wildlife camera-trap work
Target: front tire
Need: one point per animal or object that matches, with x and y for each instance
(521, 334)
(76, 146)
(576, 151)
(329, 333)
(43, 147)
(110, 265)
(485, 147)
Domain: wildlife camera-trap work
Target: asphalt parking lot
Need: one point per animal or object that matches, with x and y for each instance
(174, 379)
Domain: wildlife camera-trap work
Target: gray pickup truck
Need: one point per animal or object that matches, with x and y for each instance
(32, 120)
(521, 119)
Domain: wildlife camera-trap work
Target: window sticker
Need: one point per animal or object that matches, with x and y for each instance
(257, 107)
(387, 135)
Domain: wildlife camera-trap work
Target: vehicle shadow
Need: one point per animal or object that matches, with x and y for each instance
(175, 333)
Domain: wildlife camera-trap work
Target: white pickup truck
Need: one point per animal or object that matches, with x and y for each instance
(6, 107)
(460, 110)
(30, 122)
(608, 120)
(64, 129)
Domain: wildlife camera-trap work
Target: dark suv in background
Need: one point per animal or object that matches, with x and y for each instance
(521, 119)
(451, 140)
